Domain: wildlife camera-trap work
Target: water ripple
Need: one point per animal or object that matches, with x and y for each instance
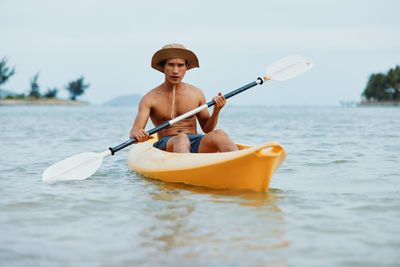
(335, 200)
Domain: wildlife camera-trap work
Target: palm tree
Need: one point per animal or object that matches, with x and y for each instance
(394, 82)
(5, 72)
(51, 93)
(35, 87)
(384, 87)
(76, 88)
(376, 86)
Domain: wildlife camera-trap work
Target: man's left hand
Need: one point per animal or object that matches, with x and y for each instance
(220, 102)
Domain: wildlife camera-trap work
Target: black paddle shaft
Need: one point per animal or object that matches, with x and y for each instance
(167, 124)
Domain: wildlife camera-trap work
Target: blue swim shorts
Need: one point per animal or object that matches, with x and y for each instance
(193, 138)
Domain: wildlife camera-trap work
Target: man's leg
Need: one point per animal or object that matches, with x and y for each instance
(216, 141)
(179, 144)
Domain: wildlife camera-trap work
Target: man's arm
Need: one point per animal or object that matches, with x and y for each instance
(206, 121)
(142, 117)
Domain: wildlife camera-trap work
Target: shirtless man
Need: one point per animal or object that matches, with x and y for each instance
(173, 98)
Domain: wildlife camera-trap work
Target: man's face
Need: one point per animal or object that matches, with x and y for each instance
(174, 70)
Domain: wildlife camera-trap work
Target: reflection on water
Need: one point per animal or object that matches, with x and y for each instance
(240, 197)
(242, 221)
(167, 226)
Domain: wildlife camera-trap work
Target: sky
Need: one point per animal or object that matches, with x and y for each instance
(111, 43)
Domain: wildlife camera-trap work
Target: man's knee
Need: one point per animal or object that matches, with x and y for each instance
(217, 140)
(182, 140)
(220, 133)
(217, 136)
(178, 143)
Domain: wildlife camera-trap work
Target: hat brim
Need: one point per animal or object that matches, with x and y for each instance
(168, 53)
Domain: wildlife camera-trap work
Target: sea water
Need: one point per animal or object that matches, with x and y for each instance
(334, 202)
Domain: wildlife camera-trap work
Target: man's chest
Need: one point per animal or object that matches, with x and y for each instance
(169, 107)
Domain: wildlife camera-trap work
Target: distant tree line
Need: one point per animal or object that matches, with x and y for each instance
(75, 88)
(383, 87)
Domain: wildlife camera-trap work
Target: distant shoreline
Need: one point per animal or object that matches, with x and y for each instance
(379, 104)
(41, 101)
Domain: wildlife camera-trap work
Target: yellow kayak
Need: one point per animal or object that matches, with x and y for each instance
(251, 167)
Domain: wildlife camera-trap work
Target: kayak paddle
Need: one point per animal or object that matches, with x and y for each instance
(83, 165)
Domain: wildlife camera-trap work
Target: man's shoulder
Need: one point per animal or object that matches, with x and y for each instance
(155, 89)
(153, 92)
(151, 97)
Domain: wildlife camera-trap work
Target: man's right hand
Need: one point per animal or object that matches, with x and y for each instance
(140, 134)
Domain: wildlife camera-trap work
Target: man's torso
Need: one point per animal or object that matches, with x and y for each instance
(164, 108)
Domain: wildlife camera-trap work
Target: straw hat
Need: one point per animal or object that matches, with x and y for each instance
(174, 51)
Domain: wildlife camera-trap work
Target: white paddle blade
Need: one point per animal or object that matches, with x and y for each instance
(77, 167)
(288, 68)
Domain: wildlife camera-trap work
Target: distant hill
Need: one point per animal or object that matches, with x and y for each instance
(124, 100)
